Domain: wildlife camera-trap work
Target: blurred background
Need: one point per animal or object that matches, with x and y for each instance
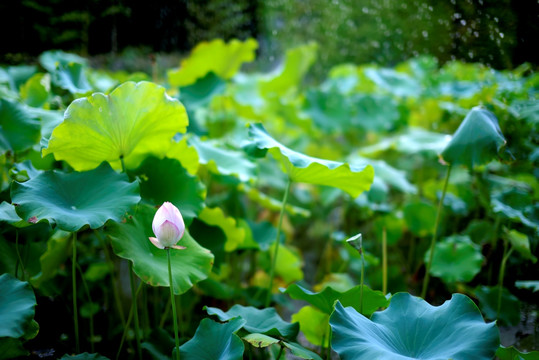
(122, 34)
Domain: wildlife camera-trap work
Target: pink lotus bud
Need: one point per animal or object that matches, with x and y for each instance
(168, 227)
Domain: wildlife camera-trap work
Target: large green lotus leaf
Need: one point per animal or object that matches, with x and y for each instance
(410, 328)
(19, 130)
(314, 324)
(17, 306)
(521, 243)
(394, 82)
(510, 353)
(134, 121)
(235, 235)
(261, 340)
(73, 200)
(224, 161)
(130, 241)
(166, 180)
(20, 74)
(325, 299)
(296, 64)
(302, 168)
(263, 321)
(49, 120)
(51, 59)
(488, 303)
(477, 140)
(420, 217)
(223, 59)
(72, 77)
(35, 92)
(456, 259)
(58, 250)
(215, 341)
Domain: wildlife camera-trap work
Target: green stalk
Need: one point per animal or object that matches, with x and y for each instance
(434, 233)
(329, 343)
(135, 310)
(277, 243)
(87, 290)
(127, 324)
(112, 278)
(280, 352)
(74, 286)
(19, 260)
(384, 260)
(505, 257)
(175, 318)
(362, 280)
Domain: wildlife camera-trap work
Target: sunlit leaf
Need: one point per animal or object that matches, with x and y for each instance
(302, 168)
(187, 155)
(223, 59)
(410, 328)
(235, 235)
(130, 241)
(36, 91)
(134, 121)
(314, 324)
(521, 243)
(73, 200)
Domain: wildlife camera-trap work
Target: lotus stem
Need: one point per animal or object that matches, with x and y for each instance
(277, 242)
(362, 280)
(434, 233)
(505, 257)
(87, 290)
(135, 310)
(19, 259)
(280, 352)
(384, 260)
(329, 343)
(127, 324)
(173, 303)
(74, 286)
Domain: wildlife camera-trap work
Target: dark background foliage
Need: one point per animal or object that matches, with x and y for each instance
(499, 33)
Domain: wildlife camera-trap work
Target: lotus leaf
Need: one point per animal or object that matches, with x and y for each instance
(134, 121)
(410, 328)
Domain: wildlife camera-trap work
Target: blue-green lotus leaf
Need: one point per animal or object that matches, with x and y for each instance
(73, 200)
(215, 341)
(130, 241)
(51, 59)
(410, 329)
(302, 168)
(84, 356)
(9, 215)
(19, 130)
(72, 77)
(477, 140)
(325, 299)
(132, 122)
(265, 321)
(17, 306)
(394, 82)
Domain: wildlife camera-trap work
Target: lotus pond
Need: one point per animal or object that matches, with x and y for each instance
(383, 213)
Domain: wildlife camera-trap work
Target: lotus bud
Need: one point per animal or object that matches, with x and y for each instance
(168, 227)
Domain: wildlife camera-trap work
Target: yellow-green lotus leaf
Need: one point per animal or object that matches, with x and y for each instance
(223, 59)
(134, 121)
